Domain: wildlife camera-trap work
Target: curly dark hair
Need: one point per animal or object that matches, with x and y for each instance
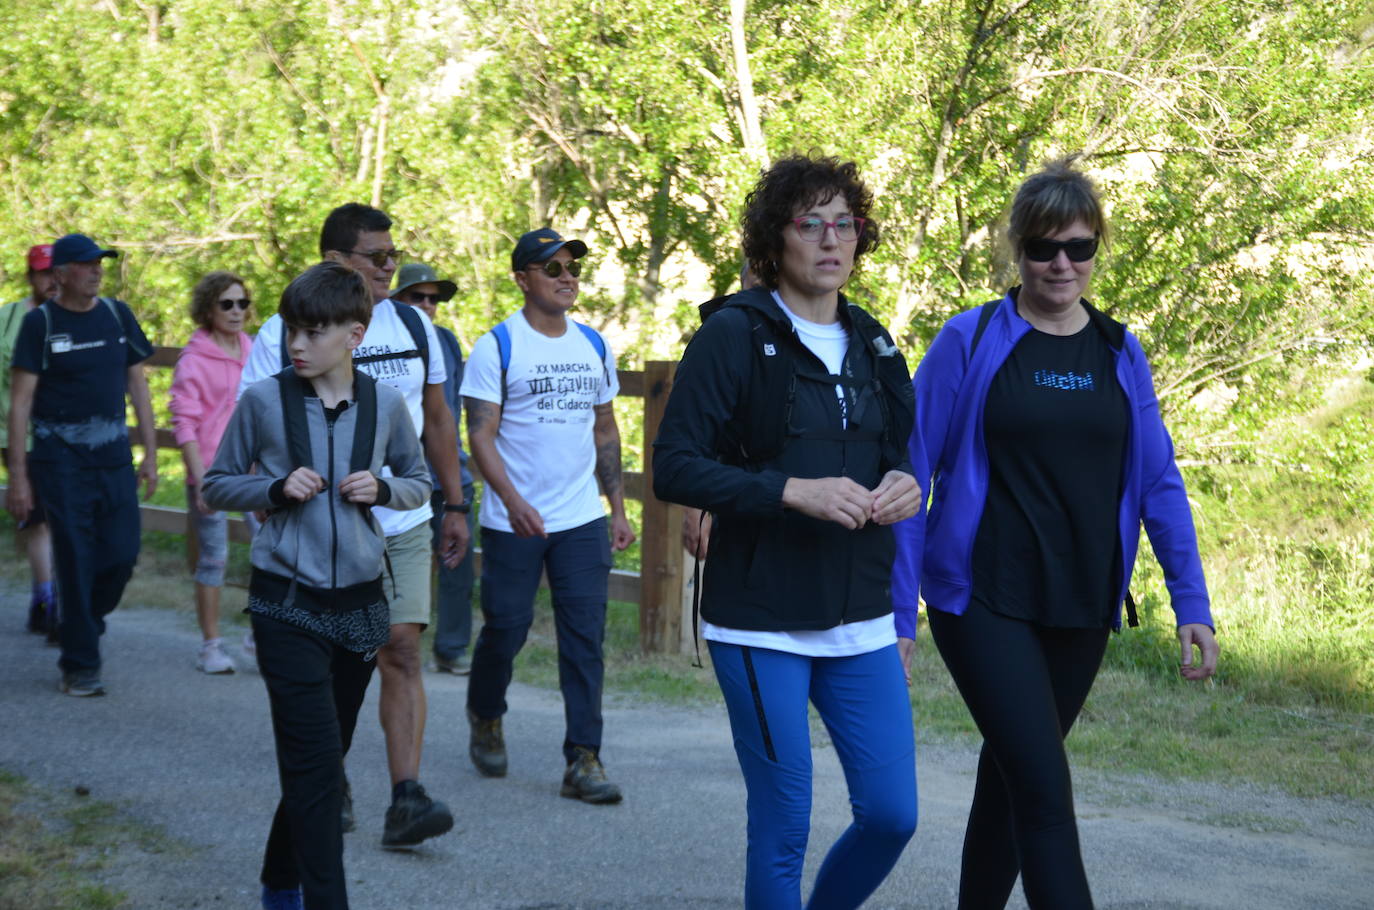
(794, 184)
(205, 297)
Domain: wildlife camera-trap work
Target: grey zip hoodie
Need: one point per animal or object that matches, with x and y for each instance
(324, 542)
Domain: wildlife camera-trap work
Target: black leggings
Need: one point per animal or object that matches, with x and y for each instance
(1024, 685)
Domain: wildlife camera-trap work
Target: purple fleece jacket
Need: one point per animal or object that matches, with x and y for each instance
(935, 547)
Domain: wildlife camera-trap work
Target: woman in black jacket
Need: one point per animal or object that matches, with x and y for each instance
(788, 421)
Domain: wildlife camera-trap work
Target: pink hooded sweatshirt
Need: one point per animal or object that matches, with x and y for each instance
(204, 384)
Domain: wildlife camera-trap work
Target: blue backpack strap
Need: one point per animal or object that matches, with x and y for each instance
(502, 335)
(599, 344)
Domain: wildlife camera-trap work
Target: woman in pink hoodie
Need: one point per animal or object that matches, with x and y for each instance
(203, 393)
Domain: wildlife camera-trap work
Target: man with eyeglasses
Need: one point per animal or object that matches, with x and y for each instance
(539, 390)
(418, 285)
(77, 357)
(359, 237)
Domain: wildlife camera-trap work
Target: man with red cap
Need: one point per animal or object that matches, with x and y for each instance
(33, 528)
(76, 358)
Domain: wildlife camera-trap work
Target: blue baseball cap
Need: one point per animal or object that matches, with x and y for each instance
(77, 248)
(536, 246)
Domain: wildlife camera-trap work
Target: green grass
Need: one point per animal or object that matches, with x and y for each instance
(52, 846)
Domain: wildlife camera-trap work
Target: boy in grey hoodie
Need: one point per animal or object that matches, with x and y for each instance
(310, 447)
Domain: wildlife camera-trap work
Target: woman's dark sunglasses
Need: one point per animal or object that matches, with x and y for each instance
(1038, 249)
(553, 268)
(228, 303)
(417, 297)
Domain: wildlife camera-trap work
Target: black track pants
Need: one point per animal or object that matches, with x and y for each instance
(1024, 685)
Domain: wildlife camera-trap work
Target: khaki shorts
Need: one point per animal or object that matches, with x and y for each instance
(411, 564)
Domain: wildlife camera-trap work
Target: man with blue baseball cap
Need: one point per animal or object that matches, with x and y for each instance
(76, 358)
(539, 390)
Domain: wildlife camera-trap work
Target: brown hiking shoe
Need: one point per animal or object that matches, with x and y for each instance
(487, 747)
(585, 779)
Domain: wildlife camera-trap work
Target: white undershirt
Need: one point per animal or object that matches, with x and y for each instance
(829, 343)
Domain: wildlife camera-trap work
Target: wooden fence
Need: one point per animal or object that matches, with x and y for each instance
(661, 587)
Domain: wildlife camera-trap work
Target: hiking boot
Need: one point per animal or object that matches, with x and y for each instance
(82, 684)
(585, 779)
(283, 899)
(212, 659)
(458, 666)
(347, 822)
(487, 747)
(414, 817)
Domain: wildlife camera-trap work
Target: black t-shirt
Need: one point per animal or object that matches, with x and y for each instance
(82, 362)
(1055, 425)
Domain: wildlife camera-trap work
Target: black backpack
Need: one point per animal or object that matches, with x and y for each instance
(771, 390)
(294, 390)
(413, 325)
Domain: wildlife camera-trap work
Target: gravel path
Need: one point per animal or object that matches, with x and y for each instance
(191, 756)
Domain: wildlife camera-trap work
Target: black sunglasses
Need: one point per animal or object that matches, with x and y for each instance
(553, 268)
(378, 257)
(228, 303)
(1038, 249)
(417, 297)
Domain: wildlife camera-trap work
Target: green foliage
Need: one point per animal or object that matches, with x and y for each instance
(1290, 564)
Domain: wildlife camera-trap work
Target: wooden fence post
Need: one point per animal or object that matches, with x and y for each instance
(661, 556)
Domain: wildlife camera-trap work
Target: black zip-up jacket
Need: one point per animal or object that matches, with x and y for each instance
(771, 568)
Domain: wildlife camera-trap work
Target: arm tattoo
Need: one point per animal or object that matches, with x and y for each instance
(480, 413)
(607, 450)
(608, 466)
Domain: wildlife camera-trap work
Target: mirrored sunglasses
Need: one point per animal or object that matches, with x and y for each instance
(553, 268)
(1038, 249)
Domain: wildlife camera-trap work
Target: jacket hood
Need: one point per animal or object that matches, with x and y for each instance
(203, 343)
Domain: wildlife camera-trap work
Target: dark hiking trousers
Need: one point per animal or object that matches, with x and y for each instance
(315, 689)
(94, 521)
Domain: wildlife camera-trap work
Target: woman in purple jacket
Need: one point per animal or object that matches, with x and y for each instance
(1037, 418)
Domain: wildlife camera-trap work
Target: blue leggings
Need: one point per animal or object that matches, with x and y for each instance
(864, 703)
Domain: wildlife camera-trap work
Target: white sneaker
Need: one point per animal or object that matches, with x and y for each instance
(212, 658)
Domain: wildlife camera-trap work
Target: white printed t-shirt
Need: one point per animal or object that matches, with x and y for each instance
(829, 343)
(386, 333)
(545, 439)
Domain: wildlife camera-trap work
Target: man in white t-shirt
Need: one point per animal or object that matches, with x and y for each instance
(359, 237)
(539, 390)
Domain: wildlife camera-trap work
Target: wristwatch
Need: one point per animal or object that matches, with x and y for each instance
(461, 508)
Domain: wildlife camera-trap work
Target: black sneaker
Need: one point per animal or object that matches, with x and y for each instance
(82, 684)
(346, 819)
(51, 621)
(38, 618)
(487, 747)
(585, 779)
(414, 817)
